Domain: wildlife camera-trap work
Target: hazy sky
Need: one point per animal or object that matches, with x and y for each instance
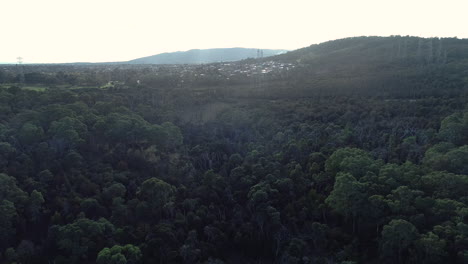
(117, 30)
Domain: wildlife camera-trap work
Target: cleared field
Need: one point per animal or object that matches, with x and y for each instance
(41, 88)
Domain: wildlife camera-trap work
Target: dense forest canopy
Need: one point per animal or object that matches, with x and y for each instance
(350, 151)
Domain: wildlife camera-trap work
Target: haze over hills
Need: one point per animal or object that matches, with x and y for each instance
(400, 66)
(198, 56)
(194, 56)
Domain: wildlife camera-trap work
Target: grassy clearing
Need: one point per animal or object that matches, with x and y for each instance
(38, 88)
(34, 88)
(41, 88)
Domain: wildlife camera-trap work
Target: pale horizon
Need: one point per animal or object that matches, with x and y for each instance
(53, 31)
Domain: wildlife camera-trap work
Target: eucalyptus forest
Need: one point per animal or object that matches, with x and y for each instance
(349, 151)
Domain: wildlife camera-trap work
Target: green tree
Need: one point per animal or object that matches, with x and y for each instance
(348, 197)
(11, 192)
(128, 254)
(431, 248)
(351, 160)
(116, 190)
(92, 208)
(29, 134)
(68, 131)
(173, 135)
(454, 129)
(7, 220)
(36, 200)
(156, 193)
(397, 237)
(81, 240)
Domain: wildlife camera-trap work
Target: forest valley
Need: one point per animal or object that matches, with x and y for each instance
(350, 151)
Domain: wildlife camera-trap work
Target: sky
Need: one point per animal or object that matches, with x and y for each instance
(54, 31)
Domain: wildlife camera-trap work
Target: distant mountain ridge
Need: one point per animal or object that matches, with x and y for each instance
(199, 56)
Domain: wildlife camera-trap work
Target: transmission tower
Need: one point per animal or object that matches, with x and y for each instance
(259, 53)
(20, 70)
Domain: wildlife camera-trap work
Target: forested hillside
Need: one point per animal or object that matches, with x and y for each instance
(393, 66)
(351, 151)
